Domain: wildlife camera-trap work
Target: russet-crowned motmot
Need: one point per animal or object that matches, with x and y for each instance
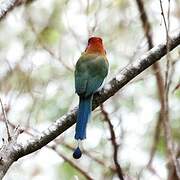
(90, 72)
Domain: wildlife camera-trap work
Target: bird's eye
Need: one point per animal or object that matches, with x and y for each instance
(90, 39)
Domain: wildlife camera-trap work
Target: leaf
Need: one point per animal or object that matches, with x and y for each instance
(66, 171)
(49, 36)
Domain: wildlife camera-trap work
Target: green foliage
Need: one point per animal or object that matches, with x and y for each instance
(177, 93)
(161, 148)
(49, 36)
(122, 4)
(66, 171)
(176, 129)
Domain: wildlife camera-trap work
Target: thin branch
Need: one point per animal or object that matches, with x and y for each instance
(155, 140)
(167, 26)
(66, 121)
(176, 87)
(43, 46)
(99, 161)
(163, 91)
(8, 152)
(114, 143)
(5, 120)
(164, 19)
(166, 121)
(158, 74)
(73, 164)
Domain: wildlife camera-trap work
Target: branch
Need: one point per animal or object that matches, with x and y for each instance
(7, 5)
(5, 120)
(71, 163)
(159, 77)
(103, 163)
(66, 121)
(8, 152)
(55, 149)
(166, 122)
(113, 142)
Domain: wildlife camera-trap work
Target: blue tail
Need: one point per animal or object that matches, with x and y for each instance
(85, 108)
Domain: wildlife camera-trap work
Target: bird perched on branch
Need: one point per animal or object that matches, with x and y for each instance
(90, 72)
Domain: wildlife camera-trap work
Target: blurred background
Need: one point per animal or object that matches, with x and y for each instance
(40, 42)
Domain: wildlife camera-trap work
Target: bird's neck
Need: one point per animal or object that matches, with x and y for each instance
(95, 49)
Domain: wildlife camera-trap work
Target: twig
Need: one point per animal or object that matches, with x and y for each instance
(51, 53)
(102, 163)
(157, 70)
(5, 120)
(114, 143)
(164, 19)
(8, 151)
(58, 58)
(166, 123)
(176, 87)
(91, 29)
(167, 26)
(75, 165)
(155, 140)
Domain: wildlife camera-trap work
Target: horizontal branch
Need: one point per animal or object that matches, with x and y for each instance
(66, 121)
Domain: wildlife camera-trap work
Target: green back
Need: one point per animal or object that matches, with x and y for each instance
(91, 70)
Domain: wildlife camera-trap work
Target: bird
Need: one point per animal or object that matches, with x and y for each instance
(91, 70)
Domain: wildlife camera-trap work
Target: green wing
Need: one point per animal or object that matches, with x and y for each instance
(91, 70)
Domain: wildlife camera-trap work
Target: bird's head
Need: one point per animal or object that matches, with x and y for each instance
(95, 45)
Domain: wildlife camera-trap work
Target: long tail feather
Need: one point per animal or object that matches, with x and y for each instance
(85, 108)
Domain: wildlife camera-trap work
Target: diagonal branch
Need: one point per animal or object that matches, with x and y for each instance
(7, 5)
(66, 121)
(73, 164)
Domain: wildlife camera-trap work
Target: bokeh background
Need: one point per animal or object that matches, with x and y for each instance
(40, 43)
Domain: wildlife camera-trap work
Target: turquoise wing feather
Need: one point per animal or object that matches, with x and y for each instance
(91, 70)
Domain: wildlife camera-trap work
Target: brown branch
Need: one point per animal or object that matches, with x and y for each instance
(43, 46)
(99, 161)
(5, 120)
(166, 122)
(54, 148)
(176, 87)
(66, 121)
(73, 164)
(114, 143)
(157, 71)
(102, 163)
(155, 140)
(162, 91)
(7, 152)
